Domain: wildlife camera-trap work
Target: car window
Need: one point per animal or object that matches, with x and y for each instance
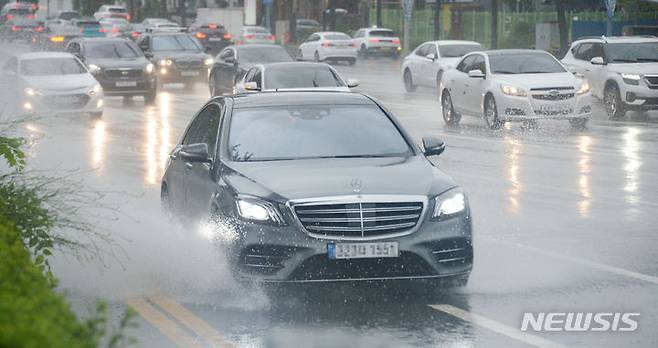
(478, 64)
(51, 67)
(110, 50)
(249, 74)
(359, 33)
(632, 52)
(74, 47)
(204, 128)
(336, 37)
(175, 43)
(257, 78)
(422, 50)
(382, 33)
(256, 30)
(524, 63)
(301, 77)
(452, 51)
(466, 64)
(589, 50)
(313, 37)
(226, 54)
(313, 131)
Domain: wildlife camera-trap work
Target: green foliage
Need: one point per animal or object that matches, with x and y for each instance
(10, 149)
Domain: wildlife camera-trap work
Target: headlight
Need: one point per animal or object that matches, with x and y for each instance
(513, 91)
(149, 68)
(449, 203)
(94, 69)
(165, 62)
(584, 88)
(95, 89)
(208, 61)
(258, 211)
(30, 92)
(631, 79)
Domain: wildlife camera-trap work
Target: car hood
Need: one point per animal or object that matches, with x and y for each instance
(56, 83)
(530, 81)
(299, 179)
(135, 63)
(450, 61)
(634, 68)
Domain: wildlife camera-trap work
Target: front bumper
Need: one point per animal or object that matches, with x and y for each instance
(512, 108)
(62, 103)
(288, 254)
(127, 86)
(175, 74)
(640, 97)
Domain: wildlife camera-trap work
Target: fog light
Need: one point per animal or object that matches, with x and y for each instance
(99, 103)
(163, 71)
(27, 106)
(630, 97)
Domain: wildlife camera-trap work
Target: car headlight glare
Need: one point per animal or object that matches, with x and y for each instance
(258, 211)
(631, 79)
(449, 203)
(584, 88)
(94, 69)
(30, 92)
(208, 61)
(513, 91)
(149, 68)
(165, 62)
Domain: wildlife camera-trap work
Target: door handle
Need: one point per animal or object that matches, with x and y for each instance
(188, 165)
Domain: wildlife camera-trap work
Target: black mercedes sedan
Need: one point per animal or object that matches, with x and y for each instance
(233, 62)
(320, 186)
(118, 65)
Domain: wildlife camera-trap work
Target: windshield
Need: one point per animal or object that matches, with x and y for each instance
(51, 66)
(319, 131)
(524, 63)
(256, 30)
(270, 54)
(69, 15)
(382, 33)
(175, 43)
(300, 77)
(88, 24)
(117, 10)
(337, 37)
(632, 52)
(110, 50)
(453, 51)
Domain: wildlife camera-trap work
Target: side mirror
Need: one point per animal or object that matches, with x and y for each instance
(433, 146)
(195, 153)
(476, 74)
(148, 55)
(597, 61)
(251, 86)
(431, 56)
(229, 60)
(351, 83)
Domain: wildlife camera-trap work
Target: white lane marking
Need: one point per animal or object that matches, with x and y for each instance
(584, 262)
(496, 326)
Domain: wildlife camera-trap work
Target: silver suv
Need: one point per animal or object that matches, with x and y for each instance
(623, 71)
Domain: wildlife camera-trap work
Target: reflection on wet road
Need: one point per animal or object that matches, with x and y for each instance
(564, 221)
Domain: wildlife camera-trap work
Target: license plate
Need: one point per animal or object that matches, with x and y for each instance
(337, 251)
(555, 108)
(214, 39)
(189, 73)
(126, 83)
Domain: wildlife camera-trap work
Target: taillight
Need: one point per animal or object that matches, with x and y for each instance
(15, 28)
(10, 17)
(271, 37)
(128, 18)
(39, 29)
(248, 36)
(102, 30)
(396, 41)
(374, 40)
(135, 34)
(327, 44)
(200, 35)
(212, 26)
(227, 36)
(115, 30)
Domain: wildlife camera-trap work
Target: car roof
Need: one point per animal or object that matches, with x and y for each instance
(307, 97)
(241, 47)
(286, 64)
(617, 39)
(502, 52)
(329, 32)
(456, 42)
(103, 39)
(46, 55)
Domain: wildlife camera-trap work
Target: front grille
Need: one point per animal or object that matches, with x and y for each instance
(558, 96)
(361, 219)
(651, 79)
(264, 259)
(123, 73)
(73, 101)
(553, 112)
(320, 267)
(551, 88)
(189, 64)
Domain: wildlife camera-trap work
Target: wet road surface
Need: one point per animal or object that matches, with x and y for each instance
(564, 221)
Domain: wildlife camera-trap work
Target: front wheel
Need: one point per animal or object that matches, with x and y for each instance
(363, 52)
(491, 113)
(614, 106)
(408, 82)
(450, 117)
(578, 123)
(317, 57)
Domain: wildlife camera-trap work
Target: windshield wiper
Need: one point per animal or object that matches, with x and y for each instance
(504, 72)
(624, 60)
(356, 156)
(648, 59)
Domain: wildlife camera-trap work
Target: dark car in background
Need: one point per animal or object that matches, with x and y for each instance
(118, 65)
(320, 187)
(56, 35)
(20, 28)
(68, 15)
(89, 28)
(232, 63)
(178, 57)
(214, 37)
(14, 10)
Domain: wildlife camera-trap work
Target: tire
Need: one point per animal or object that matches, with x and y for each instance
(408, 82)
(491, 113)
(450, 117)
(614, 106)
(351, 61)
(149, 98)
(578, 123)
(317, 57)
(165, 200)
(363, 52)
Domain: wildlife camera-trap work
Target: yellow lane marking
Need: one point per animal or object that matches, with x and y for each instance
(194, 323)
(162, 323)
(496, 326)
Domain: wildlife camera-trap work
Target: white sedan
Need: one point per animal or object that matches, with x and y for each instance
(328, 46)
(425, 65)
(514, 85)
(51, 83)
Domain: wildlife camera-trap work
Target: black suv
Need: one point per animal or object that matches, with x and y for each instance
(178, 57)
(118, 65)
(320, 186)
